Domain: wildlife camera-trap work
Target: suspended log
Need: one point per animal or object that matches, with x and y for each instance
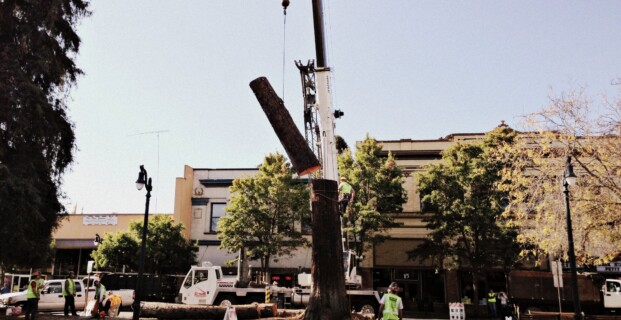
(328, 299)
(301, 156)
(162, 310)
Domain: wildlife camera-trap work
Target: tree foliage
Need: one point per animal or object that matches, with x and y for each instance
(467, 229)
(570, 126)
(265, 212)
(38, 45)
(167, 251)
(378, 183)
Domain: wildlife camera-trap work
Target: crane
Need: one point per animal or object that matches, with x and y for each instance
(319, 115)
(317, 94)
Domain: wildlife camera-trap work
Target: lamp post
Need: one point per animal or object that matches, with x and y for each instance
(98, 240)
(143, 180)
(569, 178)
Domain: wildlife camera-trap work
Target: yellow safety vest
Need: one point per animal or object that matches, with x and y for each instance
(491, 297)
(32, 294)
(69, 288)
(345, 188)
(391, 306)
(101, 293)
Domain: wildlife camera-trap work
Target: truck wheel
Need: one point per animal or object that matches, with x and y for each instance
(252, 299)
(226, 300)
(367, 307)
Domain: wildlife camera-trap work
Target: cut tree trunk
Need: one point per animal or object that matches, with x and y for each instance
(328, 299)
(187, 311)
(301, 156)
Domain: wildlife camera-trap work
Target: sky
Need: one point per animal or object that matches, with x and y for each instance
(166, 83)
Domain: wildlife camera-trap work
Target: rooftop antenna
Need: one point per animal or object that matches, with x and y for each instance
(157, 172)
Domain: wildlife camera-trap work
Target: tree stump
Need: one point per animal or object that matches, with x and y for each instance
(328, 299)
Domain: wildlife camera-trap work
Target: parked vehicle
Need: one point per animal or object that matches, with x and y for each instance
(535, 290)
(127, 295)
(16, 281)
(52, 295)
(161, 288)
(207, 285)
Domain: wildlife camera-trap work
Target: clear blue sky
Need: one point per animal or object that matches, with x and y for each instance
(402, 69)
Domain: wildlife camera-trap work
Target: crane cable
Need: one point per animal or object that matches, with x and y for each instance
(285, 4)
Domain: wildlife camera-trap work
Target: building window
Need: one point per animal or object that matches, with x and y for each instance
(217, 211)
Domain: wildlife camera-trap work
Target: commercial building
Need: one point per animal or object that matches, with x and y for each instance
(202, 194)
(80, 234)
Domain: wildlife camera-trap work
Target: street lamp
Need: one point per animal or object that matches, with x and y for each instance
(569, 178)
(98, 240)
(143, 180)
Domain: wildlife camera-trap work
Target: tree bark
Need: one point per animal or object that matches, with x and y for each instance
(162, 310)
(328, 300)
(302, 157)
(244, 270)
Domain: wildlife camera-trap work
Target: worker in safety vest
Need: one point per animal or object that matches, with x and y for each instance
(32, 296)
(346, 194)
(69, 294)
(391, 305)
(491, 303)
(101, 295)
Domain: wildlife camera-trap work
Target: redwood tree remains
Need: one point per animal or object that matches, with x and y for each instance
(302, 157)
(328, 298)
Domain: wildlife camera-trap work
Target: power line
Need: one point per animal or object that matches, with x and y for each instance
(157, 173)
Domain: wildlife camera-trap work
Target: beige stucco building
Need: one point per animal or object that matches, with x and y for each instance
(76, 237)
(200, 198)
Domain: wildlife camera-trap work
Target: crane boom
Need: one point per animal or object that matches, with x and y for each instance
(318, 111)
(326, 125)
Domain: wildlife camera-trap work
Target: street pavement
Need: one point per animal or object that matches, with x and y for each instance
(129, 314)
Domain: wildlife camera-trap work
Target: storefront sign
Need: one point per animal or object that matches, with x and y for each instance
(99, 220)
(613, 267)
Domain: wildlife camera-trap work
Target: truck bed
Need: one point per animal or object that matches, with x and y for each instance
(538, 287)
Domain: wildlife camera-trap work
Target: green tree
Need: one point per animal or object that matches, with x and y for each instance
(38, 45)
(590, 132)
(167, 251)
(378, 183)
(467, 229)
(263, 218)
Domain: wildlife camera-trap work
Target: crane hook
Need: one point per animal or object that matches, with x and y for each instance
(285, 4)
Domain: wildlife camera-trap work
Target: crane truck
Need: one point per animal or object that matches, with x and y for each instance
(208, 285)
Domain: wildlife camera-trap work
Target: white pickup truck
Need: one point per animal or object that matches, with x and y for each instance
(52, 296)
